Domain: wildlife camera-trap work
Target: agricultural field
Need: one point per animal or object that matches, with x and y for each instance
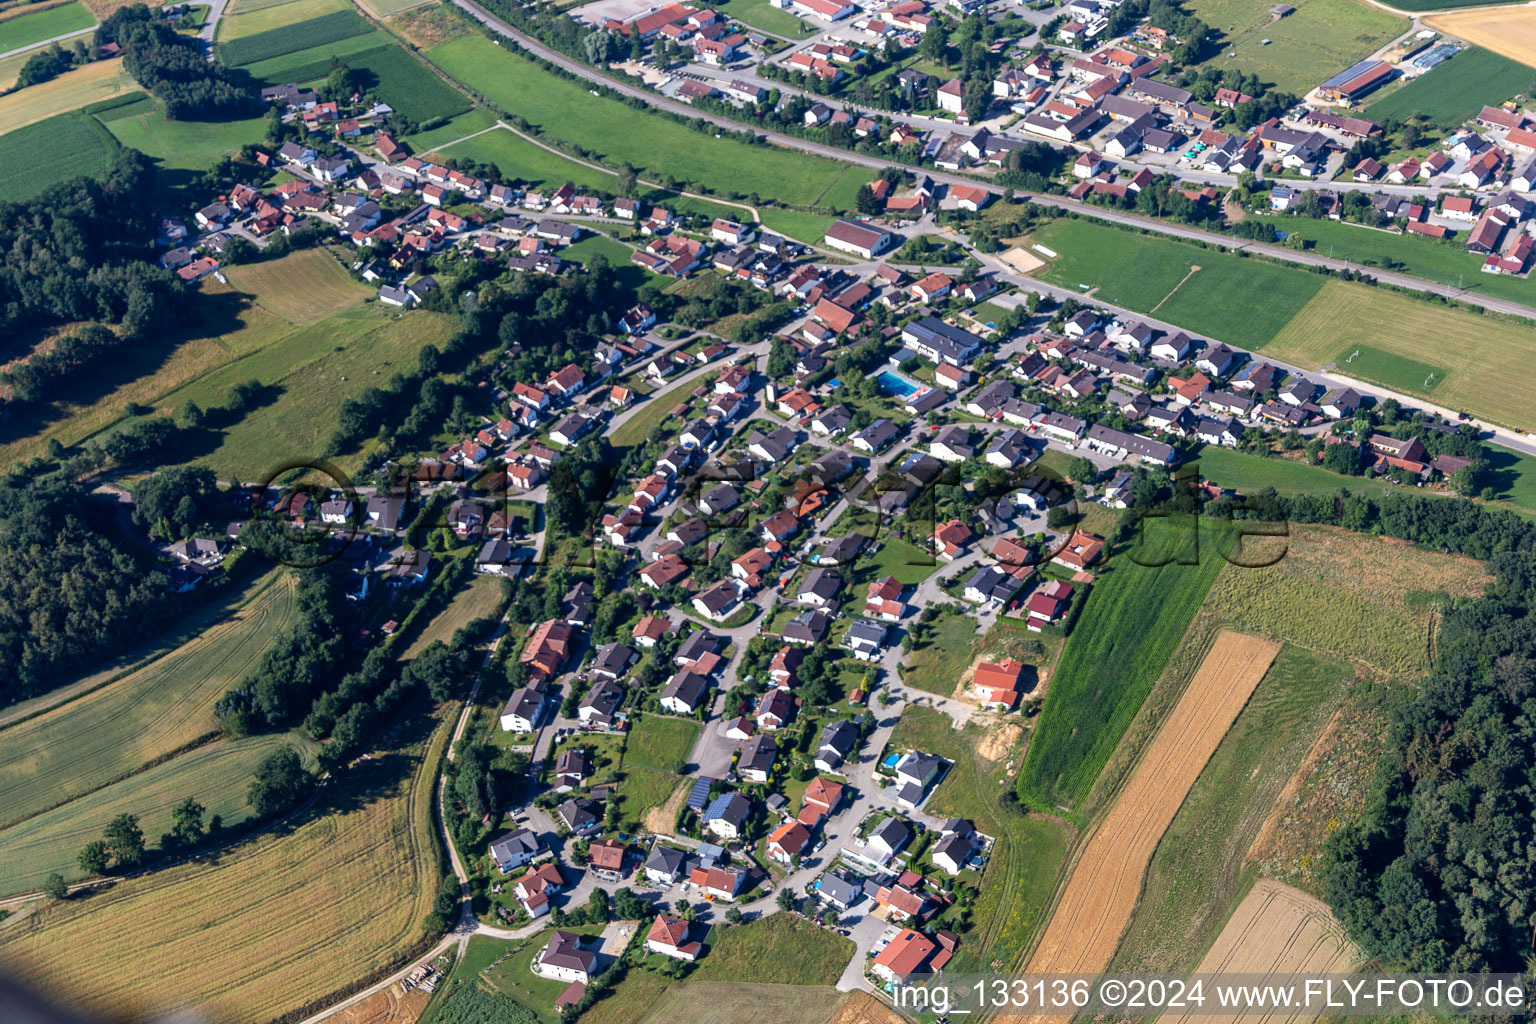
(1463, 85)
(615, 133)
(406, 84)
(247, 19)
(1015, 889)
(303, 287)
(48, 152)
(217, 775)
(179, 145)
(291, 36)
(1244, 302)
(1509, 32)
(314, 63)
(1480, 364)
(476, 120)
(386, 8)
(270, 927)
(517, 158)
(1248, 474)
(1129, 626)
(35, 26)
(1106, 881)
(1318, 40)
(86, 744)
(1278, 932)
(1446, 263)
(659, 742)
(480, 599)
(70, 91)
(780, 949)
(1200, 867)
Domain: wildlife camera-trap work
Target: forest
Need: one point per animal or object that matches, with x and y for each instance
(174, 68)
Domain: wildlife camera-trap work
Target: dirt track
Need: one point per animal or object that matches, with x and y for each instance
(1276, 930)
(1086, 926)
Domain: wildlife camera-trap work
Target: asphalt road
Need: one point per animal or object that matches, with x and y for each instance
(46, 42)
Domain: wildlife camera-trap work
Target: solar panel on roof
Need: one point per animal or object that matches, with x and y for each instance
(699, 794)
(1349, 73)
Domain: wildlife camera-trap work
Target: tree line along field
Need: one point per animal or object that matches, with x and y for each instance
(30, 27)
(1463, 85)
(85, 745)
(1480, 364)
(614, 133)
(1129, 626)
(277, 924)
(48, 152)
(1309, 45)
(1244, 302)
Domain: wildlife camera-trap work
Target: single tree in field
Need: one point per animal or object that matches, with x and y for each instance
(55, 888)
(126, 840)
(280, 783)
(187, 821)
(94, 858)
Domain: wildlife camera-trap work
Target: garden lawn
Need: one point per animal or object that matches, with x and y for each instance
(1132, 621)
(520, 159)
(35, 26)
(1318, 40)
(1480, 364)
(52, 151)
(763, 15)
(1244, 302)
(615, 132)
(1457, 89)
(780, 949)
(659, 742)
(802, 227)
(902, 559)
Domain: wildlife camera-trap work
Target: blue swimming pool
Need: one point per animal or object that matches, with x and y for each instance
(896, 385)
(892, 760)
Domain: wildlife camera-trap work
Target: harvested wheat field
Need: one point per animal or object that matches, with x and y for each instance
(863, 1008)
(1508, 31)
(1086, 925)
(386, 1007)
(1277, 931)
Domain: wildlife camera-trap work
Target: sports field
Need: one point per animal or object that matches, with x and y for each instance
(1318, 40)
(35, 26)
(1244, 302)
(1276, 931)
(1477, 364)
(1106, 881)
(70, 91)
(45, 153)
(615, 133)
(272, 926)
(302, 287)
(247, 19)
(1509, 32)
(91, 742)
(1463, 85)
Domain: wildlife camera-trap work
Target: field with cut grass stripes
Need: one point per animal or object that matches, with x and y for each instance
(290, 38)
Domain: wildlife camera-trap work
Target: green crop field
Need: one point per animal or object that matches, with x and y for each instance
(1241, 301)
(294, 36)
(617, 133)
(36, 26)
(180, 145)
(1318, 40)
(1446, 263)
(314, 63)
(249, 19)
(477, 119)
(48, 152)
(1199, 871)
(403, 82)
(1248, 474)
(85, 744)
(520, 159)
(658, 741)
(1132, 621)
(1440, 5)
(217, 776)
(1457, 89)
(1483, 363)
